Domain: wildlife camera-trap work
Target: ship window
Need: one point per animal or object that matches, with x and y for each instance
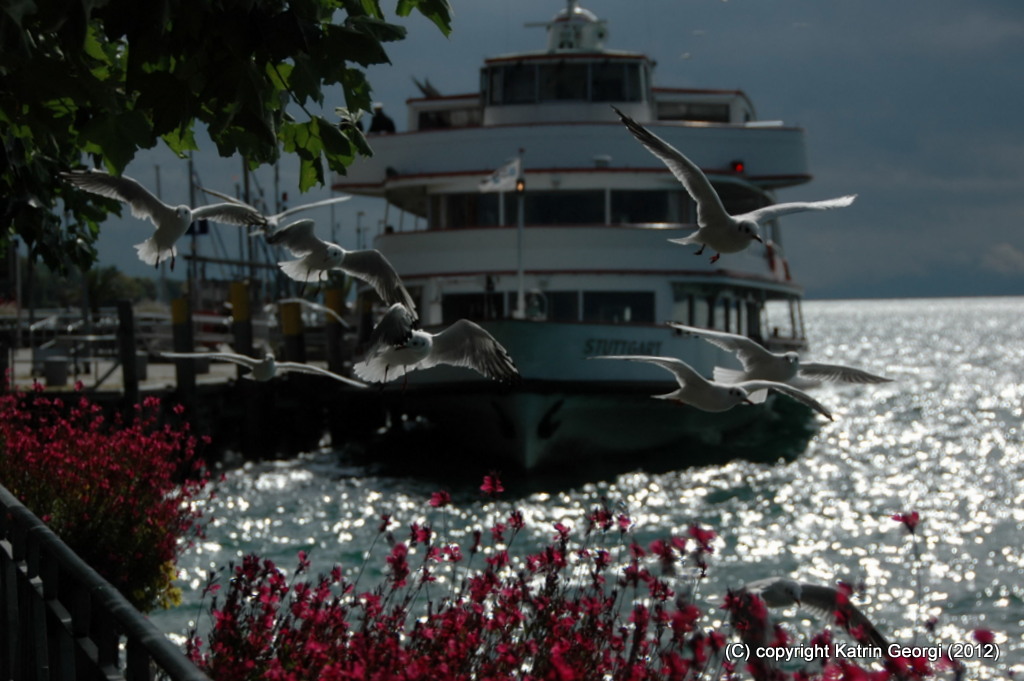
(740, 325)
(700, 306)
(554, 306)
(754, 321)
(640, 206)
(618, 307)
(728, 321)
(738, 199)
(715, 320)
(615, 82)
(558, 208)
(563, 81)
(607, 81)
(693, 111)
(458, 211)
(682, 308)
(513, 84)
(699, 312)
(450, 118)
(563, 306)
(479, 306)
(782, 318)
(469, 210)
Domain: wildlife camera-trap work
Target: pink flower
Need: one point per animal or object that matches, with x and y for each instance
(909, 520)
(420, 534)
(703, 538)
(398, 564)
(440, 499)
(492, 485)
(983, 636)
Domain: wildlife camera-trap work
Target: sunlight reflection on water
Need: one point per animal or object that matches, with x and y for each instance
(944, 439)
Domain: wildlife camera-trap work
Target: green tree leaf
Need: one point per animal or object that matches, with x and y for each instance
(110, 78)
(438, 11)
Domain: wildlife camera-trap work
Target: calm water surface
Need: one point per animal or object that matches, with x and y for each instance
(944, 439)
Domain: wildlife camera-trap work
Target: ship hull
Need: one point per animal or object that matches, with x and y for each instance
(584, 415)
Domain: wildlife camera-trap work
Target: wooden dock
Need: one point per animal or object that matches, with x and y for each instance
(280, 418)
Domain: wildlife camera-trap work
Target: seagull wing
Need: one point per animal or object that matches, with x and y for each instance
(299, 238)
(231, 213)
(826, 599)
(307, 206)
(684, 373)
(373, 268)
(709, 205)
(772, 591)
(394, 328)
(466, 344)
(226, 197)
(300, 368)
(318, 307)
(142, 202)
(779, 209)
(746, 350)
(244, 360)
(836, 372)
(795, 393)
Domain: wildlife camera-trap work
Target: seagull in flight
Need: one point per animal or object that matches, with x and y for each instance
(171, 221)
(272, 307)
(397, 347)
(782, 592)
(271, 222)
(699, 392)
(716, 229)
(267, 368)
(762, 364)
(316, 257)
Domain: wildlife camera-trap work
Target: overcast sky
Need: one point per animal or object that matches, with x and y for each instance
(914, 105)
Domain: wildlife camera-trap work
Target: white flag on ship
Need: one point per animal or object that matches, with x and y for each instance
(503, 179)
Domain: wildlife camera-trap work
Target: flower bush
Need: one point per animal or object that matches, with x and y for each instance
(596, 606)
(118, 491)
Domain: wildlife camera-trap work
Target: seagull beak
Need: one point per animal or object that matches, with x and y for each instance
(759, 239)
(746, 400)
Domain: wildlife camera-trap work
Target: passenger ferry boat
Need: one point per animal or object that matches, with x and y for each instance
(573, 260)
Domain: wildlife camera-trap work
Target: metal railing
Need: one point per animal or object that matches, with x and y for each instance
(62, 620)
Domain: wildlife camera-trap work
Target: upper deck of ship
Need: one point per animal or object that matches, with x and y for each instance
(554, 106)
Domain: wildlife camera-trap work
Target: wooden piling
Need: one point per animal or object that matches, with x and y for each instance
(182, 339)
(291, 331)
(241, 320)
(127, 353)
(334, 299)
(7, 348)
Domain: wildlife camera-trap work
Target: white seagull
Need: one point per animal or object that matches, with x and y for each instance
(761, 364)
(272, 307)
(171, 221)
(716, 229)
(272, 222)
(267, 368)
(316, 257)
(699, 392)
(782, 592)
(396, 348)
